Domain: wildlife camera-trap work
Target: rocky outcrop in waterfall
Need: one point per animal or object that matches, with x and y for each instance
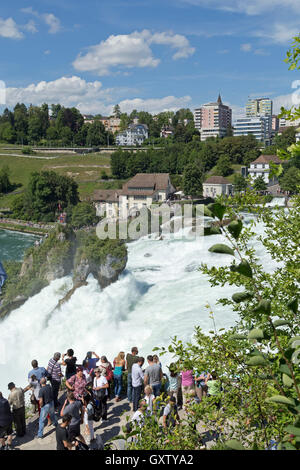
(59, 255)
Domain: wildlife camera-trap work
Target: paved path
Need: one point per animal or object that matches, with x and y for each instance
(117, 413)
(25, 156)
(107, 430)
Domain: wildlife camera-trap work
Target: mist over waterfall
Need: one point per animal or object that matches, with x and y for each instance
(160, 294)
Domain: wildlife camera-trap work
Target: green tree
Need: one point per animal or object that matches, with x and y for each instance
(240, 183)
(96, 134)
(125, 121)
(45, 193)
(290, 180)
(7, 133)
(223, 167)
(287, 138)
(192, 180)
(84, 214)
(5, 184)
(117, 111)
(260, 184)
(21, 123)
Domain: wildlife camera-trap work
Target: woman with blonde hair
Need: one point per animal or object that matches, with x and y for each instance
(149, 399)
(119, 367)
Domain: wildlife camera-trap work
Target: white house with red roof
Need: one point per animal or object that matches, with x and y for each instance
(261, 167)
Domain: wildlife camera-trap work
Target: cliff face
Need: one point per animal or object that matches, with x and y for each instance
(61, 254)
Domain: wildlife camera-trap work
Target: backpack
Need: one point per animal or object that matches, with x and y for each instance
(91, 412)
(81, 445)
(99, 443)
(109, 373)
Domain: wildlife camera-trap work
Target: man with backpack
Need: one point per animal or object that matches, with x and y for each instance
(55, 375)
(6, 420)
(46, 406)
(74, 408)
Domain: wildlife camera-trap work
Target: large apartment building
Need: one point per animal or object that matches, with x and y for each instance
(259, 107)
(260, 127)
(213, 119)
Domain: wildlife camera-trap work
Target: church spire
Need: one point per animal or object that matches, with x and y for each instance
(219, 99)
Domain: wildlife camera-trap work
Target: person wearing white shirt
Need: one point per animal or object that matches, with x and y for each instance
(137, 377)
(100, 387)
(149, 399)
(139, 415)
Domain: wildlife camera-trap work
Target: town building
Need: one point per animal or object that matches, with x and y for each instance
(283, 122)
(107, 202)
(88, 118)
(260, 127)
(213, 119)
(140, 191)
(166, 131)
(275, 124)
(261, 167)
(135, 134)
(217, 186)
(259, 107)
(111, 124)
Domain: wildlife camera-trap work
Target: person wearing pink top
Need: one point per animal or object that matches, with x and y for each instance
(188, 384)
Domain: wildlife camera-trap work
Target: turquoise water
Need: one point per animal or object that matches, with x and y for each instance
(14, 244)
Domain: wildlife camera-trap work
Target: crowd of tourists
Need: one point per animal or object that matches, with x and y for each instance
(89, 385)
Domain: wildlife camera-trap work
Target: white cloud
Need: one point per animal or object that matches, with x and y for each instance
(130, 50)
(9, 29)
(88, 97)
(250, 7)
(53, 22)
(280, 33)
(262, 52)
(175, 41)
(284, 100)
(29, 11)
(156, 105)
(31, 27)
(65, 90)
(49, 18)
(246, 47)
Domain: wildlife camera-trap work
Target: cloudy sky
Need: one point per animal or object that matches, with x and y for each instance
(146, 54)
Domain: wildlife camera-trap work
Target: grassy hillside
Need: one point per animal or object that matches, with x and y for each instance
(84, 169)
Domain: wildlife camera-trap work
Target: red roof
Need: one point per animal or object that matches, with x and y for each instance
(146, 184)
(217, 180)
(267, 159)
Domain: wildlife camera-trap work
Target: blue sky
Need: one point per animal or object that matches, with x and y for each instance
(146, 54)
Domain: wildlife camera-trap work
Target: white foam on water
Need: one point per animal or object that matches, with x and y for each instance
(158, 296)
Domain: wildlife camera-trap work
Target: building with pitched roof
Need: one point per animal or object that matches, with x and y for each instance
(261, 167)
(135, 134)
(217, 186)
(142, 190)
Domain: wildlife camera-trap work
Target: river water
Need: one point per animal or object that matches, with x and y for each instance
(13, 244)
(161, 294)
